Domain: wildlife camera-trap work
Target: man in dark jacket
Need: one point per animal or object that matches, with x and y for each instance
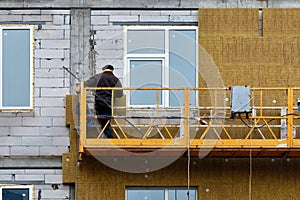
(103, 98)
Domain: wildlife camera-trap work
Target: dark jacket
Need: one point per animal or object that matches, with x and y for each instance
(104, 79)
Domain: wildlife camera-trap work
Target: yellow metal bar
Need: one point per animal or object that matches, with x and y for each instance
(224, 129)
(296, 143)
(268, 117)
(290, 117)
(145, 88)
(103, 128)
(100, 133)
(159, 132)
(204, 89)
(112, 102)
(134, 143)
(260, 103)
(82, 135)
(149, 129)
(253, 127)
(244, 143)
(205, 131)
(216, 100)
(274, 136)
(166, 128)
(268, 88)
(122, 131)
(221, 125)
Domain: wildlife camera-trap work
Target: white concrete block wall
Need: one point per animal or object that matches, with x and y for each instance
(21, 150)
(51, 194)
(24, 12)
(52, 176)
(47, 182)
(27, 134)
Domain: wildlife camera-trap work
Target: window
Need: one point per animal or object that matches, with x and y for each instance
(160, 57)
(16, 71)
(159, 193)
(16, 192)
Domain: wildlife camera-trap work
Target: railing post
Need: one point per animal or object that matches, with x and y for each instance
(186, 116)
(290, 117)
(82, 121)
(112, 102)
(260, 103)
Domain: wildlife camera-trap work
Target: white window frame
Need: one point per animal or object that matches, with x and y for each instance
(29, 187)
(165, 80)
(164, 56)
(31, 53)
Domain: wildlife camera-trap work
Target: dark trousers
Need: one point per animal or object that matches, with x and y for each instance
(105, 114)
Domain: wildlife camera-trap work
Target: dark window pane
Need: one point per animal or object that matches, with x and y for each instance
(15, 194)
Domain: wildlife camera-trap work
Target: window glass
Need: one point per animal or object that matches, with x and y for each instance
(145, 41)
(161, 193)
(181, 194)
(145, 74)
(182, 61)
(15, 194)
(147, 194)
(16, 67)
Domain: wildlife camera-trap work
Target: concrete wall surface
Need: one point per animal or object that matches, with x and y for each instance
(43, 131)
(32, 143)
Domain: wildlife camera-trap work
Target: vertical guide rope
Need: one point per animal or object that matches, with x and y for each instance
(250, 172)
(188, 169)
(250, 158)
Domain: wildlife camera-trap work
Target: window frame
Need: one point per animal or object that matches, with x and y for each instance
(28, 108)
(29, 187)
(165, 57)
(164, 95)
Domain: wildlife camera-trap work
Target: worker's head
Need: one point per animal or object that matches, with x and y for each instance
(110, 67)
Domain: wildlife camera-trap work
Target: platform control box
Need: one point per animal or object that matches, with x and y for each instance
(240, 99)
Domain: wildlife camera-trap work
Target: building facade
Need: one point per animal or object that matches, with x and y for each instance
(85, 35)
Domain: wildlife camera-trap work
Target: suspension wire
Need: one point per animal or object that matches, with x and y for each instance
(250, 170)
(188, 169)
(250, 162)
(77, 168)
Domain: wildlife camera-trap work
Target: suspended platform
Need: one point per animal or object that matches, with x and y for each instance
(208, 128)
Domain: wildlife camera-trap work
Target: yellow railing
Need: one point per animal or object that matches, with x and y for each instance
(272, 122)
